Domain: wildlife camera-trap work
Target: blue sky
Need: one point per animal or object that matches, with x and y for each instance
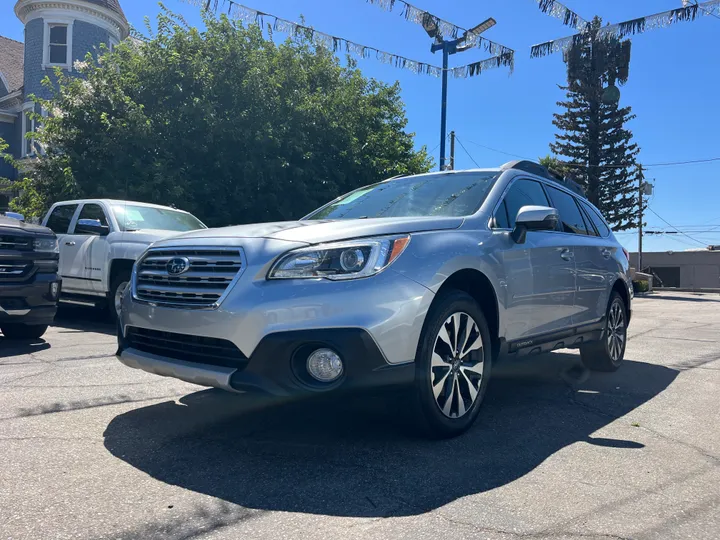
(673, 88)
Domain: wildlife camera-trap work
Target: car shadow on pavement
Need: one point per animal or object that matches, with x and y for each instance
(70, 319)
(356, 456)
(17, 347)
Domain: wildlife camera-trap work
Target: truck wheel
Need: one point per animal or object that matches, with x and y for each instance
(23, 331)
(607, 354)
(117, 287)
(452, 367)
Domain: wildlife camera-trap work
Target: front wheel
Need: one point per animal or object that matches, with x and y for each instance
(608, 353)
(24, 331)
(452, 367)
(117, 288)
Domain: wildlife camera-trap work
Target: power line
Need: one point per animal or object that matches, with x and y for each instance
(500, 151)
(678, 230)
(468, 153)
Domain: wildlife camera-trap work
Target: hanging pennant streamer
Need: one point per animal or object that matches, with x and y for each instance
(634, 26)
(476, 68)
(445, 29)
(566, 15)
(251, 16)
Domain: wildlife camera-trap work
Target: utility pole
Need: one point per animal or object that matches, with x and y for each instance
(452, 150)
(450, 47)
(641, 178)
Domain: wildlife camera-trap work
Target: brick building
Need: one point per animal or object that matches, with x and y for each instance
(57, 33)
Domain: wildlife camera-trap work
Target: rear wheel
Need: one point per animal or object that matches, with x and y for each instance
(23, 331)
(452, 366)
(608, 353)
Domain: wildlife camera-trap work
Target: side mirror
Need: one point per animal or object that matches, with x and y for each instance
(534, 218)
(92, 227)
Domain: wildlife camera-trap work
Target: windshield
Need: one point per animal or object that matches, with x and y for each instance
(456, 194)
(135, 218)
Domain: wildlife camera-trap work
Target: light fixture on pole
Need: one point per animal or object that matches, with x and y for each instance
(460, 44)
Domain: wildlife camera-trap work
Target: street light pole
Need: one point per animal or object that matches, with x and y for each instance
(443, 106)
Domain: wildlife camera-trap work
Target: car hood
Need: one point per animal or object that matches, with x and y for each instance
(317, 231)
(146, 236)
(14, 226)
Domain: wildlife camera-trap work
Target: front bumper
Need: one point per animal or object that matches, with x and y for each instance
(277, 366)
(34, 302)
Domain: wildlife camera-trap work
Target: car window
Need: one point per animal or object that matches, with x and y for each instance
(591, 230)
(522, 193)
(135, 217)
(94, 211)
(571, 218)
(453, 194)
(599, 222)
(59, 220)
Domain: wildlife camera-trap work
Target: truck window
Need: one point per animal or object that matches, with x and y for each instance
(60, 218)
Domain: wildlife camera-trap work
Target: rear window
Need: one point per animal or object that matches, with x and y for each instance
(599, 222)
(60, 218)
(571, 218)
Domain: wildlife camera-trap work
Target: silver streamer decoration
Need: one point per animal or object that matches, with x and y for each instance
(689, 12)
(251, 16)
(559, 11)
(446, 29)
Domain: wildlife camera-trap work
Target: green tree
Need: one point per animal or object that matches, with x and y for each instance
(592, 133)
(223, 123)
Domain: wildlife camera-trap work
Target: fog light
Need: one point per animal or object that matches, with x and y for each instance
(324, 365)
(54, 289)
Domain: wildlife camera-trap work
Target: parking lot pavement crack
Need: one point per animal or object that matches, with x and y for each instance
(715, 459)
(82, 405)
(547, 533)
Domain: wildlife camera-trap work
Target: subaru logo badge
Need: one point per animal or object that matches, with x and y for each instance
(177, 266)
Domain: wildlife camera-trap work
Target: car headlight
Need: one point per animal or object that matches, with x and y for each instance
(46, 245)
(340, 260)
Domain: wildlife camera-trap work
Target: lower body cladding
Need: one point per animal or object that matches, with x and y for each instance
(286, 337)
(281, 365)
(32, 303)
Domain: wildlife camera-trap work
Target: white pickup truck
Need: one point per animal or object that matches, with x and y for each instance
(100, 239)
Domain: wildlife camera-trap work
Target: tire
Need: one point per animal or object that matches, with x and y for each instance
(24, 331)
(117, 286)
(608, 353)
(449, 387)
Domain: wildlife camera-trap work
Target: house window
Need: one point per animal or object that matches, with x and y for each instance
(58, 44)
(28, 126)
(112, 43)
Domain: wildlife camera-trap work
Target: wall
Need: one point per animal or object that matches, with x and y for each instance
(87, 38)
(698, 269)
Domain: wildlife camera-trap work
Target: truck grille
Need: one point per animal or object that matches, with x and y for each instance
(12, 270)
(198, 349)
(17, 243)
(208, 274)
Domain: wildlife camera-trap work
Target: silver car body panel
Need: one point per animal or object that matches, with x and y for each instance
(538, 286)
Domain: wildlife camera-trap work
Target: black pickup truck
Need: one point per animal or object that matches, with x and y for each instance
(29, 282)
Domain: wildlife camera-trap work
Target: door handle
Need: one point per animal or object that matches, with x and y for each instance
(606, 253)
(69, 243)
(567, 255)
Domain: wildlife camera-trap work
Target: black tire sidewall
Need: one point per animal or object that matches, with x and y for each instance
(615, 298)
(23, 331)
(437, 424)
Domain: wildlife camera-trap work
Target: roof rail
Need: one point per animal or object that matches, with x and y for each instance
(539, 170)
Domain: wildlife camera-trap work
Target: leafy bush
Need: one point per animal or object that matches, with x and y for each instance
(641, 286)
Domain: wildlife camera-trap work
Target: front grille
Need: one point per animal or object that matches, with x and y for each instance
(17, 243)
(198, 349)
(14, 270)
(209, 274)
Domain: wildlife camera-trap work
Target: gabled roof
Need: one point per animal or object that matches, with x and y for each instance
(12, 59)
(112, 5)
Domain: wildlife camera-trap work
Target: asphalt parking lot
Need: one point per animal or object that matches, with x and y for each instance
(92, 449)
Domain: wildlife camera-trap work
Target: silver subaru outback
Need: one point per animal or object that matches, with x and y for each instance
(421, 280)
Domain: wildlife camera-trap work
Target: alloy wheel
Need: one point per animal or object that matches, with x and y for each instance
(616, 331)
(457, 365)
(118, 296)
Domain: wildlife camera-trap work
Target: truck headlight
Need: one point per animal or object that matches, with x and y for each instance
(340, 260)
(46, 245)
